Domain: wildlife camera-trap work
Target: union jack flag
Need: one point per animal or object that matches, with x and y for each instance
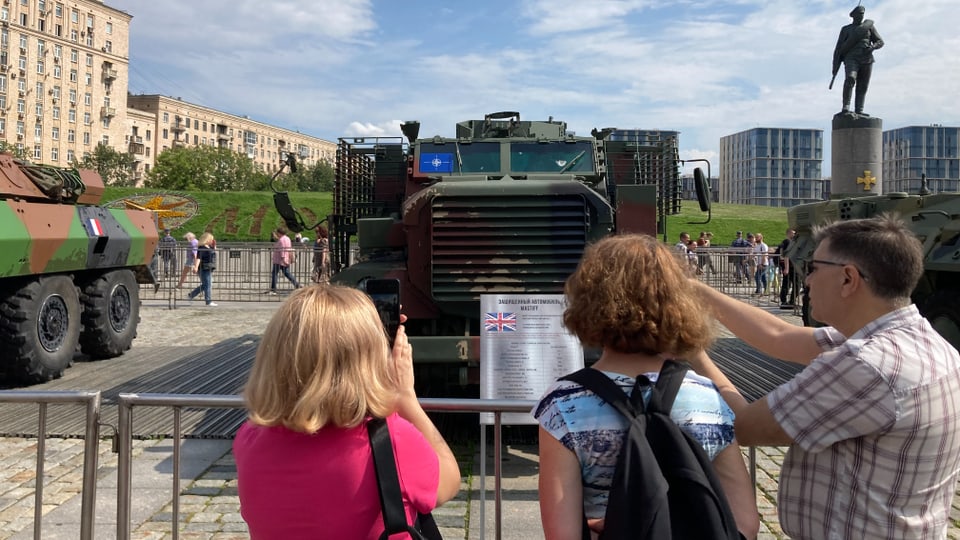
(500, 322)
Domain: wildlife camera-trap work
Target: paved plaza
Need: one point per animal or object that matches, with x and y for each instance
(208, 503)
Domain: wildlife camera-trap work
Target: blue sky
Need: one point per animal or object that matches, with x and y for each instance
(706, 68)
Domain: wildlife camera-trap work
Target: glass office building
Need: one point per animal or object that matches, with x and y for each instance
(771, 167)
(911, 152)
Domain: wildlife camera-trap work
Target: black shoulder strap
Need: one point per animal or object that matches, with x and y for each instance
(607, 390)
(668, 385)
(391, 501)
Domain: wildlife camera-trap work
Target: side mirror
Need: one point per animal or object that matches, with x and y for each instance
(703, 189)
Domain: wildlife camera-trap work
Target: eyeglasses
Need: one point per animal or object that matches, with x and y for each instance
(814, 262)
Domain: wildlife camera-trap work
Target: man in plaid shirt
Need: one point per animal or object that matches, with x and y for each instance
(873, 421)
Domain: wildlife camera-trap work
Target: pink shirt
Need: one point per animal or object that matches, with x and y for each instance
(282, 250)
(298, 486)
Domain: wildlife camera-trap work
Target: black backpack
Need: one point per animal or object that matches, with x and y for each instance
(664, 485)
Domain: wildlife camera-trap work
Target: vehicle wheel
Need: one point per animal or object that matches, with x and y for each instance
(39, 329)
(942, 309)
(111, 311)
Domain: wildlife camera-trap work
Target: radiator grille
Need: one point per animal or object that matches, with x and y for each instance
(489, 245)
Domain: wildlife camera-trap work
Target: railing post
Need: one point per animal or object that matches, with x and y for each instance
(124, 434)
(91, 456)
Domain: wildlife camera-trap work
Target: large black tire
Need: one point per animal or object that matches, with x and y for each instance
(111, 312)
(39, 329)
(942, 309)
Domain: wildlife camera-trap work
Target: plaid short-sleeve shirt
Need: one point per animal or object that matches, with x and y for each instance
(875, 421)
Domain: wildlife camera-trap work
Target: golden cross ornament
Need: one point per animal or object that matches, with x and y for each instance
(867, 180)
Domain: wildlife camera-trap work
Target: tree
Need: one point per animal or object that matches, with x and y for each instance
(205, 168)
(310, 178)
(116, 168)
(19, 153)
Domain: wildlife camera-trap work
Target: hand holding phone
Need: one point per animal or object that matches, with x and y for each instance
(385, 294)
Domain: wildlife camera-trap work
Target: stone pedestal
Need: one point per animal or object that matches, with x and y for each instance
(857, 155)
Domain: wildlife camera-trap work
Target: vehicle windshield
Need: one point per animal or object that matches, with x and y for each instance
(452, 157)
(556, 157)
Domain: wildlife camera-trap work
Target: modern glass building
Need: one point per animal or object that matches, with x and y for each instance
(913, 151)
(771, 167)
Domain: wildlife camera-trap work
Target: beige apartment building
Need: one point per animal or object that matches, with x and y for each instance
(64, 88)
(164, 122)
(63, 77)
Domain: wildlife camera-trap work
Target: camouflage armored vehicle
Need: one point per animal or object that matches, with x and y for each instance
(935, 221)
(504, 207)
(69, 270)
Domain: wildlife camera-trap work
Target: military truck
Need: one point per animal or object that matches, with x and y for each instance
(935, 221)
(505, 206)
(69, 270)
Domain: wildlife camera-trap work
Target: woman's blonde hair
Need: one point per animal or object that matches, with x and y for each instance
(323, 359)
(206, 239)
(630, 294)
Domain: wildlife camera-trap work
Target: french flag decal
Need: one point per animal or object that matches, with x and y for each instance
(95, 227)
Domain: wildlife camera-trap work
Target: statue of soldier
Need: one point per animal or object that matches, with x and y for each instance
(855, 48)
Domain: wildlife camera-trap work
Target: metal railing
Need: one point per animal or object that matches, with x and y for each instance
(127, 402)
(244, 271)
(91, 400)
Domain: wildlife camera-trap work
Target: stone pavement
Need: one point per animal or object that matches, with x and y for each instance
(209, 507)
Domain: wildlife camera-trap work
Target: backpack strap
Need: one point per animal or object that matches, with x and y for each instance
(630, 406)
(668, 385)
(391, 501)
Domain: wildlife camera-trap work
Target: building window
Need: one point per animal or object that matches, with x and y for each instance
(164, 133)
(166, 117)
(108, 45)
(4, 13)
(54, 154)
(58, 10)
(40, 66)
(86, 119)
(106, 122)
(71, 157)
(41, 25)
(73, 95)
(41, 47)
(21, 106)
(3, 126)
(148, 135)
(38, 108)
(38, 132)
(23, 19)
(74, 56)
(73, 75)
(74, 16)
(56, 112)
(105, 140)
(74, 36)
(37, 152)
(71, 136)
(109, 27)
(20, 128)
(88, 78)
(57, 72)
(72, 116)
(89, 59)
(22, 62)
(88, 99)
(86, 138)
(56, 92)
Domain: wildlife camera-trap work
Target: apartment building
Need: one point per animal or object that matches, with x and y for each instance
(771, 166)
(166, 122)
(63, 77)
(913, 152)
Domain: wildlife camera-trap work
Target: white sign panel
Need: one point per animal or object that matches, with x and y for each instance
(524, 348)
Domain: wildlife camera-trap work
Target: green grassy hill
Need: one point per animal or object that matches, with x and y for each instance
(250, 216)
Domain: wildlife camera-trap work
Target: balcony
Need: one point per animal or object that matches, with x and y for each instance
(136, 148)
(109, 74)
(177, 127)
(107, 112)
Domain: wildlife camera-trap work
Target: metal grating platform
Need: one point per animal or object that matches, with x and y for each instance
(223, 369)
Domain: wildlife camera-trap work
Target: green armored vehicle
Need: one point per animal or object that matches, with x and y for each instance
(506, 206)
(933, 218)
(69, 270)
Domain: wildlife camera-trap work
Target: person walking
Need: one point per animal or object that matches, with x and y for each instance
(204, 265)
(282, 257)
(873, 419)
(321, 256)
(168, 252)
(190, 258)
(787, 285)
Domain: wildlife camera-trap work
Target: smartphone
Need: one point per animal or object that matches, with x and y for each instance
(385, 294)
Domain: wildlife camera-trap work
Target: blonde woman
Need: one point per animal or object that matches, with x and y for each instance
(630, 296)
(304, 464)
(203, 265)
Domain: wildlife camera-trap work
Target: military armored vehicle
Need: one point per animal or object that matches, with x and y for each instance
(69, 270)
(935, 221)
(506, 206)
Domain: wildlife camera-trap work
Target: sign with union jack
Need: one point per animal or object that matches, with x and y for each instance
(500, 322)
